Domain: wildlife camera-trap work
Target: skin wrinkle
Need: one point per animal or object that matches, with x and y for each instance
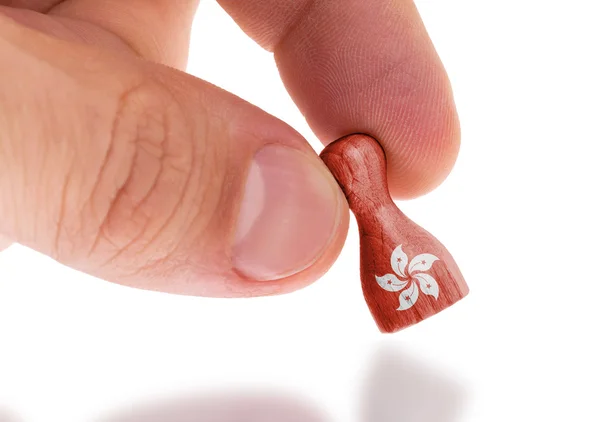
(114, 199)
(411, 151)
(109, 158)
(46, 126)
(221, 201)
(168, 220)
(197, 190)
(135, 209)
(201, 214)
(163, 164)
(195, 253)
(345, 82)
(62, 209)
(92, 23)
(144, 35)
(191, 215)
(301, 14)
(126, 43)
(42, 6)
(266, 22)
(407, 25)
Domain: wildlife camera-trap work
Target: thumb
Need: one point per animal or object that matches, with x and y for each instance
(4, 243)
(146, 176)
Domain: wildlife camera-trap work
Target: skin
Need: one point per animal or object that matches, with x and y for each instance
(115, 162)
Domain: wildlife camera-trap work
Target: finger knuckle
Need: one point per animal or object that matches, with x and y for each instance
(148, 168)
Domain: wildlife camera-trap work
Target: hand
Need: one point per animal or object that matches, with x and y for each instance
(115, 163)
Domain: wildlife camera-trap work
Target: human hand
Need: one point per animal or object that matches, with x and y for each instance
(117, 164)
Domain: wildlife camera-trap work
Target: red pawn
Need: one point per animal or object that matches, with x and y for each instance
(407, 274)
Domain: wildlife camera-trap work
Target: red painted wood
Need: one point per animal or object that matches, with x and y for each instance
(358, 163)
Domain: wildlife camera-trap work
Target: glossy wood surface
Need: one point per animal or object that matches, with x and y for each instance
(407, 274)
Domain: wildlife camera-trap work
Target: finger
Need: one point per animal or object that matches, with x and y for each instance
(358, 66)
(146, 176)
(4, 242)
(37, 5)
(157, 30)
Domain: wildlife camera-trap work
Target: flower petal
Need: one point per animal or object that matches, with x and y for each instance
(428, 284)
(422, 262)
(391, 283)
(408, 297)
(399, 261)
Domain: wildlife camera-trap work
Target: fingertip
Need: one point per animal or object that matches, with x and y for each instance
(422, 155)
(235, 283)
(291, 216)
(323, 263)
(366, 68)
(244, 286)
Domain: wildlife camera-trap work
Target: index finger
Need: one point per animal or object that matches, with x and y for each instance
(359, 66)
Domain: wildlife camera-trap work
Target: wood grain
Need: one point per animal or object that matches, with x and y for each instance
(358, 163)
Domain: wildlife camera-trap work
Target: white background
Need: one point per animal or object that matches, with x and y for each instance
(519, 213)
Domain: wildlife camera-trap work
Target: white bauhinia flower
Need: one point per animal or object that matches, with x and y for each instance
(428, 284)
(421, 263)
(391, 283)
(408, 281)
(408, 297)
(399, 261)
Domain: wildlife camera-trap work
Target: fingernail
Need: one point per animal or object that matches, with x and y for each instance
(289, 214)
